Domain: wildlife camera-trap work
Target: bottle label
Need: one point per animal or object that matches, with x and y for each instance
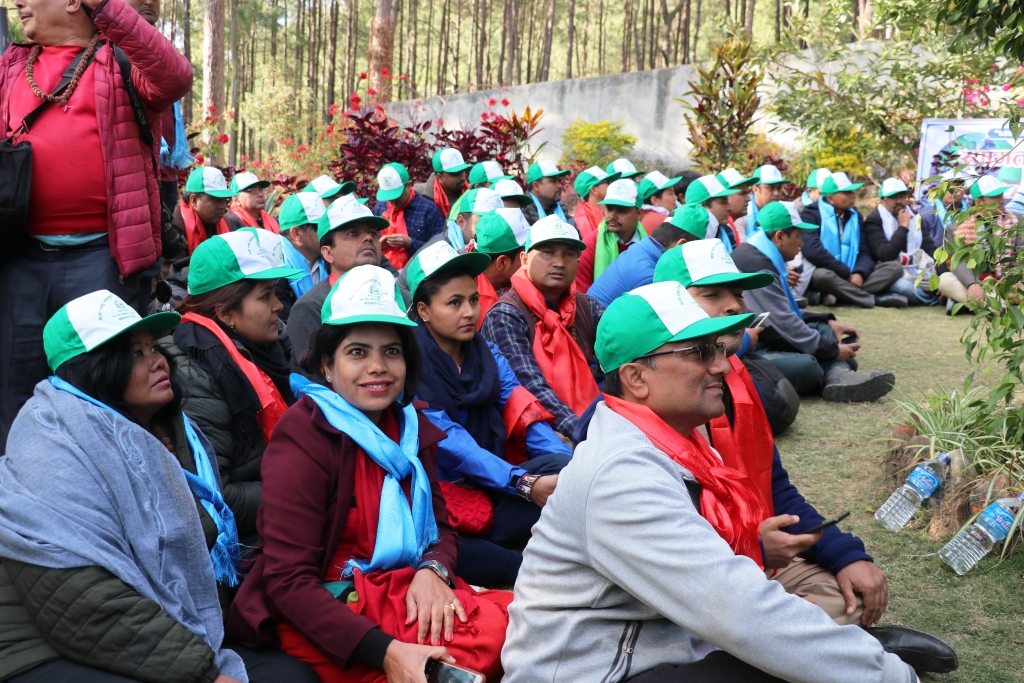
(922, 480)
(999, 518)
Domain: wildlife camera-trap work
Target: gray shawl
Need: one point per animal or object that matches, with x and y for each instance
(82, 486)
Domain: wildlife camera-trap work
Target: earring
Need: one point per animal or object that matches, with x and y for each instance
(328, 378)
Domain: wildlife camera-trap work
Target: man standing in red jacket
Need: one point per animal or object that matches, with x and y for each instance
(94, 213)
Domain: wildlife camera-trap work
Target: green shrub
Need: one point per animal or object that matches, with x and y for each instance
(594, 144)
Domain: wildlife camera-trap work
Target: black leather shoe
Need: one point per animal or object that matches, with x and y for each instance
(891, 301)
(922, 650)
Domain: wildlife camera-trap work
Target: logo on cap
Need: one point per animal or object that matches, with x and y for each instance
(548, 167)
(389, 179)
(213, 179)
(450, 158)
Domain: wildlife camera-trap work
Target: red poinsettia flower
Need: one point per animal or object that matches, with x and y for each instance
(362, 75)
(504, 102)
(333, 109)
(384, 71)
(213, 110)
(223, 139)
(371, 91)
(491, 102)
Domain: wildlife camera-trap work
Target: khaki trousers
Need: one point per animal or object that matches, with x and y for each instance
(819, 586)
(950, 285)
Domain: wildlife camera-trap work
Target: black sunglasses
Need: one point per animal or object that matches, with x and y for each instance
(706, 350)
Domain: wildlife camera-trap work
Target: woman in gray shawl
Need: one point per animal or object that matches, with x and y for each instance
(114, 535)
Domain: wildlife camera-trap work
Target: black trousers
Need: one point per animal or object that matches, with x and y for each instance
(263, 666)
(717, 667)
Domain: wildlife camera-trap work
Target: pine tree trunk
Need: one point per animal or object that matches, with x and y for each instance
(627, 32)
(544, 68)
(186, 40)
(382, 48)
(236, 64)
(696, 32)
(213, 62)
(570, 38)
(332, 58)
(865, 16)
(750, 18)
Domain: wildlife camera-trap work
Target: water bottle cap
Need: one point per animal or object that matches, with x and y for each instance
(944, 458)
(1020, 496)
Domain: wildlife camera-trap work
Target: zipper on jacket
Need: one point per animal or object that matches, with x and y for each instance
(624, 655)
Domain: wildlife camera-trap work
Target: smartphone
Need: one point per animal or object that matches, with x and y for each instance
(852, 339)
(442, 672)
(759, 320)
(826, 524)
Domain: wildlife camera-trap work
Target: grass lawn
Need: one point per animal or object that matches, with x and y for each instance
(833, 454)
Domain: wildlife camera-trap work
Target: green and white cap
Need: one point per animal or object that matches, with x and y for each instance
(891, 186)
(272, 245)
(226, 259)
(769, 174)
(777, 216)
(589, 179)
(345, 211)
(365, 294)
(487, 172)
(245, 180)
(303, 208)
(1010, 175)
(448, 160)
(622, 193)
(480, 201)
(511, 189)
(624, 167)
(838, 182)
(553, 229)
(696, 220)
(817, 177)
(327, 187)
(988, 186)
(543, 169)
(209, 180)
(502, 231)
(85, 323)
(391, 179)
(707, 187)
(641, 321)
(733, 179)
(655, 182)
(439, 257)
(705, 262)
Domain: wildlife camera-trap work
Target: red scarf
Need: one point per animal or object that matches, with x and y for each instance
(396, 217)
(441, 197)
(488, 297)
(729, 501)
(730, 228)
(522, 409)
(746, 445)
(588, 217)
(265, 221)
(195, 230)
(560, 358)
(270, 398)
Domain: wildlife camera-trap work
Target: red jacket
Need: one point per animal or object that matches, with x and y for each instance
(308, 470)
(161, 76)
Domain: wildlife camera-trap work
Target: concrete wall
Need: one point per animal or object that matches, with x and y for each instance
(642, 101)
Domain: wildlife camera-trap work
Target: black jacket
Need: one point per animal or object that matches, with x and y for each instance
(814, 251)
(883, 249)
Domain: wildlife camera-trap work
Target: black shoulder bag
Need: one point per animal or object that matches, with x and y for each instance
(16, 172)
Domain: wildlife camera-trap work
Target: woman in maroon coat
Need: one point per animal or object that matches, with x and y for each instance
(354, 573)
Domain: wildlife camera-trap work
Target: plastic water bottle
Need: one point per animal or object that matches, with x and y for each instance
(976, 541)
(922, 482)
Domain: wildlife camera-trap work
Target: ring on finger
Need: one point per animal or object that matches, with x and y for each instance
(451, 606)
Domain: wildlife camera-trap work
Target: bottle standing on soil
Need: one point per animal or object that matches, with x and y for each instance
(922, 482)
(976, 541)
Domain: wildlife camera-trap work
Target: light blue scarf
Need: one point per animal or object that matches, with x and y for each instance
(751, 210)
(759, 240)
(849, 249)
(723, 234)
(805, 199)
(178, 158)
(225, 554)
(541, 213)
(403, 533)
(455, 236)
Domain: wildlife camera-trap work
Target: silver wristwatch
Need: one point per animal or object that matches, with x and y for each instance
(437, 568)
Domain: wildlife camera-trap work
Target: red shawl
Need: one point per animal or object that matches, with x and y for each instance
(441, 197)
(195, 230)
(398, 256)
(729, 501)
(488, 297)
(270, 398)
(265, 221)
(588, 217)
(560, 358)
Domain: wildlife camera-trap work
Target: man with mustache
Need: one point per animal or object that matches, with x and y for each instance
(646, 565)
(620, 229)
(545, 328)
(349, 237)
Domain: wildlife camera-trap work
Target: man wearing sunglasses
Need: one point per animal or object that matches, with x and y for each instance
(646, 566)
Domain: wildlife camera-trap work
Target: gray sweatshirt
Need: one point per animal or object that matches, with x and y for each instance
(622, 574)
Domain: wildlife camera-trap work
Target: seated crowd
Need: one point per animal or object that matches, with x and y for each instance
(456, 425)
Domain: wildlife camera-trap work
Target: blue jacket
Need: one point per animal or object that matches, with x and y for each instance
(634, 268)
(423, 220)
(815, 252)
(459, 456)
(834, 551)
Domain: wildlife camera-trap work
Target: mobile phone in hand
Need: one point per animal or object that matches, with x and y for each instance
(759, 320)
(852, 339)
(442, 672)
(826, 524)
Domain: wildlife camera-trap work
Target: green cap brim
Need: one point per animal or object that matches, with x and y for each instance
(347, 187)
(748, 280)
(157, 323)
(740, 184)
(323, 227)
(774, 182)
(259, 183)
(390, 195)
(617, 202)
(724, 193)
(221, 194)
(709, 326)
(389, 319)
(579, 244)
(472, 264)
(892, 194)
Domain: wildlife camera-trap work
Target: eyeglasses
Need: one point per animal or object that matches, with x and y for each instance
(706, 350)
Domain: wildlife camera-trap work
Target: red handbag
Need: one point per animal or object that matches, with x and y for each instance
(470, 511)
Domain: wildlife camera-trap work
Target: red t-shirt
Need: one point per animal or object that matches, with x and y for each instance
(585, 268)
(69, 189)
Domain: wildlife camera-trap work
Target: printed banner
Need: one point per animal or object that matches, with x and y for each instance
(985, 143)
